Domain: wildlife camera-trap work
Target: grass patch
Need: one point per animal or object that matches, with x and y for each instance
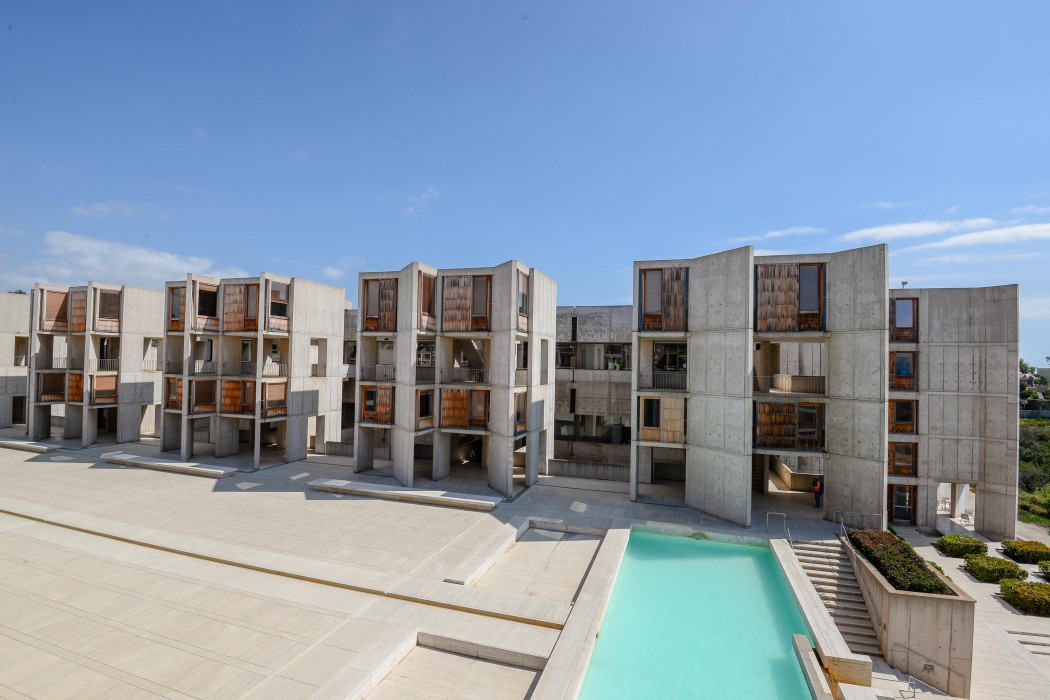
(898, 562)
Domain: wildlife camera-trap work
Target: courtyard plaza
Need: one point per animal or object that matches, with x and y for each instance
(120, 582)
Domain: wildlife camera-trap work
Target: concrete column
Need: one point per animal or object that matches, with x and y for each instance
(227, 437)
(186, 449)
(442, 456)
(74, 423)
(499, 463)
(257, 445)
(645, 465)
(958, 504)
(169, 436)
(39, 422)
(89, 423)
(403, 455)
(364, 448)
(634, 449)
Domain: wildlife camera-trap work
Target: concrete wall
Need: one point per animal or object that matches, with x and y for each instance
(967, 400)
(915, 629)
(14, 379)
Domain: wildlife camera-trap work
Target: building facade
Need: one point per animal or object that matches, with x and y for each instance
(14, 358)
(252, 364)
(455, 366)
(94, 362)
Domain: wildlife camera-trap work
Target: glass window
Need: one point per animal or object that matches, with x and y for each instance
(809, 289)
(480, 297)
(252, 309)
(207, 303)
(904, 313)
(176, 304)
(904, 412)
(372, 298)
(650, 413)
(669, 357)
(904, 454)
(652, 287)
(523, 294)
(370, 400)
(905, 362)
(565, 356)
(426, 404)
(807, 421)
(279, 300)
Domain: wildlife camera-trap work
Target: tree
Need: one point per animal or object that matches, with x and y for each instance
(1026, 368)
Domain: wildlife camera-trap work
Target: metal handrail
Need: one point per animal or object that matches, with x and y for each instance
(841, 520)
(787, 530)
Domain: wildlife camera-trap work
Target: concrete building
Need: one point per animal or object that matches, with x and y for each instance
(252, 361)
(14, 358)
(592, 420)
(94, 362)
(787, 365)
(953, 356)
(453, 366)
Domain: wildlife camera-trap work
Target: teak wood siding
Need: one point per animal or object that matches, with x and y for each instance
(384, 410)
(55, 311)
(238, 397)
(776, 425)
(673, 315)
(464, 408)
(777, 298)
(104, 389)
(107, 312)
(672, 422)
(173, 393)
(427, 288)
(76, 387)
(78, 312)
(177, 323)
(456, 294)
(235, 308)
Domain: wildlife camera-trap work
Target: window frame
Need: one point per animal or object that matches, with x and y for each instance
(650, 412)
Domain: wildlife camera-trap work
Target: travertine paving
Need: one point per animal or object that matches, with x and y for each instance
(428, 674)
(543, 563)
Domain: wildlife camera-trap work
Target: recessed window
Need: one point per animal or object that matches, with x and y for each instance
(426, 404)
(207, 302)
(279, 300)
(904, 313)
(650, 413)
(902, 458)
(905, 365)
(904, 412)
(809, 289)
(370, 400)
(652, 288)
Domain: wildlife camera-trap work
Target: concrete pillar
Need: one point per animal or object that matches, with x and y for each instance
(499, 463)
(634, 449)
(442, 456)
(403, 455)
(257, 444)
(364, 448)
(39, 426)
(958, 505)
(645, 465)
(74, 423)
(89, 429)
(186, 448)
(227, 437)
(170, 433)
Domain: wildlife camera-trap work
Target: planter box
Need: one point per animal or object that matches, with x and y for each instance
(926, 635)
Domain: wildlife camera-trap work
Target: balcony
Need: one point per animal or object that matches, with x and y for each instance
(465, 422)
(108, 364)
(50, 394)
(275, 369)
(789, 427)
(150, 364)
(239, 369)
(466, 375)
(21, 361)
(204, 367)
(377, 373)
(102, 398)
(241, 409)
(425, 375)
(173, 367)
(209, 324)
(54, 325)
(203, 407)
(792, 384)
(663, 381)
(521, 377)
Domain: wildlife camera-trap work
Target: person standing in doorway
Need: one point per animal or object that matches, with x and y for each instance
(818, 491)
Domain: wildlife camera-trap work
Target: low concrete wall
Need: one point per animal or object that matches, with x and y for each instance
(795, 481)
(588, 470)
(928, 636)
(339, 448)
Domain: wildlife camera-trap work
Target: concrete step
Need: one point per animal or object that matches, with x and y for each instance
(400, 493)
(826, 566)
(27, 446)
(857, 625)
(840, 614)
(835, 605)
(841, 597)
(830, 578)
(811, 547)
(210, 471)
(866, 649)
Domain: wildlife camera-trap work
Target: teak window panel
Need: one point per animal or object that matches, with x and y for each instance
(663, 419)
(790, 297)
(236, 307)
(811, 295)
(904, 320)
(424, 409)
(903, 458)
(377, 404)
(55, 311)
(523, 302)
(902, 370)
(176, 304)
(173, 393)
(381, 305)
(464, 408)
(466, 302)
(78, 312)
(903, 416)
(427, 314)
(76, 387)
(664, 299)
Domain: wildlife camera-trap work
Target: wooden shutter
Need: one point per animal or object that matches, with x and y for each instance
(78, 312)
(454, 408)
(388, 304)
(109, 305)
(672, 420)
(777, 297)
(231, 397)
(233, 307)
(673, 297)
(76, 387)
(105, 382)
(385, 404)
(455, 302)
(55, 305)
(276, 392)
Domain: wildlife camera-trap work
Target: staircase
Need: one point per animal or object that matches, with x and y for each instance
(829, 570)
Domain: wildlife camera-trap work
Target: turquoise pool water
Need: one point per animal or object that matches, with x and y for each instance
(697, 619)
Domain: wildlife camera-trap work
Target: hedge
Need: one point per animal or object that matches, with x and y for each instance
(1044, 568)
(1031, 598)
(993, 569)
(897, 561)
(960, 545)
(1026, 551)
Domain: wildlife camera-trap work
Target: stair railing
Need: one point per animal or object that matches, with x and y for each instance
(787, 530)
(865, 593)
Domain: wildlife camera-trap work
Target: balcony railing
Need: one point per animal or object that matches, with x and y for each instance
(150, 364)
(21, 361)
(377, 373)
(49, 395)
(275, 369)
(239, 369)
(108, 364)
(521, 377)
(903, 335)
(274, 411)
(203, 407)
(791, 443)
(206, 323)
(242, 409)
(902, 383)
(466, 375)
(792, 384)
(425, 374)
(173, 366)
(423, 423)
(101, 398)
(465, 422)
(205, 367)
(666, 381)
(67, 363)
(51, 325)
(277, 323)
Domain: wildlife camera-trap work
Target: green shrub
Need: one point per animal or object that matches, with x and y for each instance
(993, 569)
(1044, 568)
(1026, 551)
(1031, 598)
(960, 545)
(897, 561)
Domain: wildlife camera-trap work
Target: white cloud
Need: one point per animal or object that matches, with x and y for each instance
(781, 233)
(345, 265)
(70, 259)
(767, 251)
(887, 205)
(963, 259)
(998, 236)
(104, 209)
(420, 201)
(1035, 307)
(951, 210)
(1030, 209)
(915, 229)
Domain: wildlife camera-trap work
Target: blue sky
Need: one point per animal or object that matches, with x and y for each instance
(139, 140)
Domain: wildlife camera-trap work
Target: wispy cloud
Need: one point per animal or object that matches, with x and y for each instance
(882, 204)
(998, 236)
(915, 229)
(67, 258)
(112, 208)
(781, 233)
(768, 251)
(421, 200)
(1030, 209)
(963, 259)
(951, 210)
(345, 265)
